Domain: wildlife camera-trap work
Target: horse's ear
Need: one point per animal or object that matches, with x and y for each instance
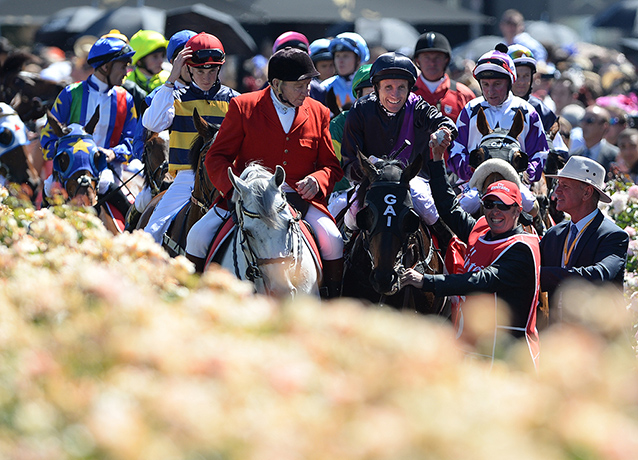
(201, 125)
(366, 165)
(279, 177)
(517, 124)
(477, 156)
(481, 123)
(57, 127)
(90, 126)
(520, 161)
(412, 169)
(238, 184)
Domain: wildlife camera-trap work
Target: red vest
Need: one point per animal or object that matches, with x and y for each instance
(482, 253)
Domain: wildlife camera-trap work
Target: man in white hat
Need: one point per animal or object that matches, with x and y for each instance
(589, 246)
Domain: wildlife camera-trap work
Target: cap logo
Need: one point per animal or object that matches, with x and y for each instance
(498, 186)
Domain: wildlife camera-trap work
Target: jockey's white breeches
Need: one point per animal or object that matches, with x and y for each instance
(421, 200)
(176, 196)
(200, 236)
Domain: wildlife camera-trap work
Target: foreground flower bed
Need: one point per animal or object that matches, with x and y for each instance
(111, 350)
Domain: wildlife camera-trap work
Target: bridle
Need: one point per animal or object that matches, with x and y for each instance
(205, 202)
(292, 255)
(158, 172)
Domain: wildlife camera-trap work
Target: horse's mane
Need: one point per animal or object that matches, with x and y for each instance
(257, 177)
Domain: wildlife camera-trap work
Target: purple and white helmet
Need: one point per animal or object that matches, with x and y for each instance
(495, 64)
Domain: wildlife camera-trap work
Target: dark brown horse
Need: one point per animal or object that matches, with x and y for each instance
(28, 93)
(500, 143)
(20, 176)
(156, 176)
(174, 240)
(391, 237)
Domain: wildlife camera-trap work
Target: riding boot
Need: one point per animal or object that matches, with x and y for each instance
(442, 233)
(199, 262)
(332, 278)
(118, 199)
(132, 218)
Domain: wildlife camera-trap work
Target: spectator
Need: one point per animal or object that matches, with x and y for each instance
(563, 92)
(589, 247)
(627, 159)
(512, 27)
(595, 125)
(618, 122)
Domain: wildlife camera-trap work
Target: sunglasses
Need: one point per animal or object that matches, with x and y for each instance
(208, 56)
(520, 53)
(491, 204)
(592, 120)
(617, 121)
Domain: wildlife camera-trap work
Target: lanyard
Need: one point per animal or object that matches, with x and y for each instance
(567, 252)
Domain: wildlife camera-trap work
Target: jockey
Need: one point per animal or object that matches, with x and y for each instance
(77, 103)
(349, 51)
(175, 45)
(279, 125)
(203, 56)
(379, 124)
(496, 73)
(150, 52)
(522, 87)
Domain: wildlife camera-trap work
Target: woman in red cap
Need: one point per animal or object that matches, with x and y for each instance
(501, 259)
(204, 56)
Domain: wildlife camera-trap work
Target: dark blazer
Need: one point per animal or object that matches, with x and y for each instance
(607, 154)
(600, 254)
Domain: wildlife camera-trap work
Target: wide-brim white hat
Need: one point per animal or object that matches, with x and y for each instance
(585, 170)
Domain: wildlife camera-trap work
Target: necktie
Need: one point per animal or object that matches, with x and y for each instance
(587, 153)
(572, 236)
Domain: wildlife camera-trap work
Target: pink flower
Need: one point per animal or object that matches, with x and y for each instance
(630, 231)
(633, 191)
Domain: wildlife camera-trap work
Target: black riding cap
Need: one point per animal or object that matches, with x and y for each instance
(291, 64)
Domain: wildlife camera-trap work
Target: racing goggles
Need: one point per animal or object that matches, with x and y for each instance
(208, 56)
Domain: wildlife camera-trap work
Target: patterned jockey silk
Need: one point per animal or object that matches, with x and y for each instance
(77, 103)
(212, 106)
(481, 253)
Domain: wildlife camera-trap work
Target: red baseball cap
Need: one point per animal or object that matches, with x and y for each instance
(506, 191)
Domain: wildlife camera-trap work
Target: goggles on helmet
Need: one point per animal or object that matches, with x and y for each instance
(207, 56)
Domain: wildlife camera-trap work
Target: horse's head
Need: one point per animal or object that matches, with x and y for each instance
(500, 143)
(207, 132)
(387, 218)
(155, 159)
(15, 164)
(78, 162)
(30, 94)
(268, 230)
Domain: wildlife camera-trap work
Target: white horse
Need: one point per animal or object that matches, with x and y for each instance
(269, 247)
